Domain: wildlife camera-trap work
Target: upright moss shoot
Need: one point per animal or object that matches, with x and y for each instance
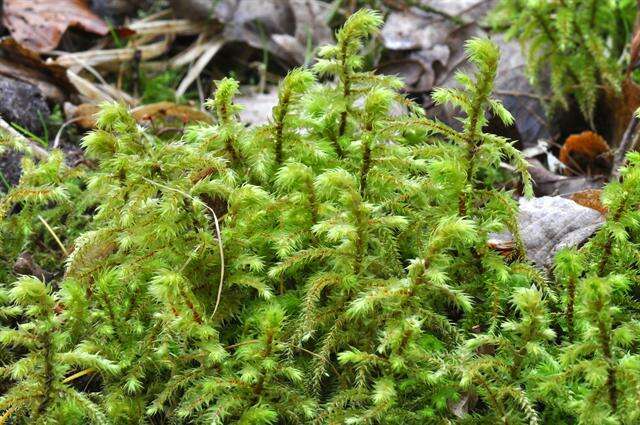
(331, 266)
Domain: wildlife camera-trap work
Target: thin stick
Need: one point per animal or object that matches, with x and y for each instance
(7, 414)
(55, 237)
(218, 234)
(628, 143)
(324, 359)
(56, 141)
(77, 375)
(241, 343)
(255, 341)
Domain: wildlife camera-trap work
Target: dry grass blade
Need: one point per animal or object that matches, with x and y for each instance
(218, 235)
(77, 375)
(53, 234)
(101, 57)
(118, 94)
(172, 26)
(210, 49)
(88, 89)
(7, 414)
(191, 53)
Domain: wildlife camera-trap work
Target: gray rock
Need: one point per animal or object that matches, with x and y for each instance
(22, 103)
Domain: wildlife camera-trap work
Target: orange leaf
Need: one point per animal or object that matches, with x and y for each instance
(586, 152)
(85, 114)
(590, 198)
(40, 24)
(167, 110)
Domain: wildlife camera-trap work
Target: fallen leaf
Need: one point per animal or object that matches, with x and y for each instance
(310, 17)
(590, 198)
(505, 247)
(424, 40)
(550, 223)
(30, 67)
(285, 28)
(84, 114)
(419, 40)
(587, 153)
(40, 24)
(546, 183)
(170, 110)
(469, 10)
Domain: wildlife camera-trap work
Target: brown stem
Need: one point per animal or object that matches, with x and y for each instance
(605, 345)
(313, 203)
(608, 245)
(628, 143)
(346, 93)
(497, 404)
(336, 145)
(550, 35)
(279, 123)
(366, 166)
(48, 372)
(228, 143)
(571, 295)
(257, 389)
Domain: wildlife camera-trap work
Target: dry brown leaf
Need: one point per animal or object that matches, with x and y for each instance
(84, 114)
(19, 72)
(164, 110)
(590, 198)
(40, 24)
(504, 247)
(29, 59)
